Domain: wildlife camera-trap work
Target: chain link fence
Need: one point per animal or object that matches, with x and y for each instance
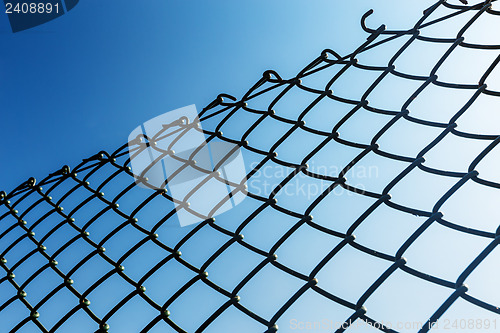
(79, 247)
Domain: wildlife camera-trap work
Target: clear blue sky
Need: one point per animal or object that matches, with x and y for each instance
(82, 82)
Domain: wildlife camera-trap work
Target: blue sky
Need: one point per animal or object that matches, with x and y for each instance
(82, 82)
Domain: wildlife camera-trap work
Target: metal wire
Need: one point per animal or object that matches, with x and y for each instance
(227, 106)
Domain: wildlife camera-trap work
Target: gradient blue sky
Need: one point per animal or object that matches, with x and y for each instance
(82, 82)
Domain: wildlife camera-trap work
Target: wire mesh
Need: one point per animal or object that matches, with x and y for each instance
(33, 206)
